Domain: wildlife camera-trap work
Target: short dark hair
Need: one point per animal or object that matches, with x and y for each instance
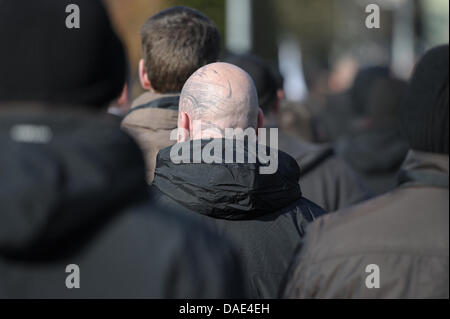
(266, 79)
(175, 43)
(363, 83)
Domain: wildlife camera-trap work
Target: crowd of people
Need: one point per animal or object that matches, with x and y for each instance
(90, 180)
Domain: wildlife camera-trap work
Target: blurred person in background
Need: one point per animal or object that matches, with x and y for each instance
(374, 146)
(264, 214)
(325, 178)
(329, 101)
(73, 190)
(175, 43)
(298, 119)
(403, 235)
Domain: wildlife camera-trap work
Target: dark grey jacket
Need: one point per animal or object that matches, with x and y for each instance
(325, 178)
(265, 215)
(376, 154)
(73, 191)
(404, 233)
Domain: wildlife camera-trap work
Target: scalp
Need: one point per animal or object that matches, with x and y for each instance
(221, 92)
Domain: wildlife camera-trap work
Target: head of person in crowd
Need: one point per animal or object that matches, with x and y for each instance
(384, 100)
(316, 73)
(342, 73)
(77, 66)
(376, 98)
(424, 113)
(363, 84)
(216, 97)
(175, 43)
(267, 82)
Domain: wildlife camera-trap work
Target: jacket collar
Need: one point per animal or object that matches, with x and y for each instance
(155, 100)
(232, 191)
(428, 169)
(153, 112)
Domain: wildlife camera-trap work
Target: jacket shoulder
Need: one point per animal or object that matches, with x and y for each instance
(388, 221)
(340, 250)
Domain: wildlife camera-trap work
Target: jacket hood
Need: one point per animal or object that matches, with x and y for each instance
(62, 171)
(422, 168)
(374, 151)
(233, 191)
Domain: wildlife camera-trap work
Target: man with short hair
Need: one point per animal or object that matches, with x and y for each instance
(396, 245)
(75, 220)
(261, 209)
(175, 43)
(326, 178)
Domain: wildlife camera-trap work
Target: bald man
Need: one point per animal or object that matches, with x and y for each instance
(218, 96)
(263, 212)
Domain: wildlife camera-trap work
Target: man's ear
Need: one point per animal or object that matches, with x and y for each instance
(184, 127)
(143, 76)
(260, 118)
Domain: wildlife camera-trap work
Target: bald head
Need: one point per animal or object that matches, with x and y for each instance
(221, 96)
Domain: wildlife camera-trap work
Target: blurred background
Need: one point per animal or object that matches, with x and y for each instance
(313, 37)
(340, 82)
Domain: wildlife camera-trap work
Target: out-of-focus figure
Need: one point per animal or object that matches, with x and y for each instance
(374, 146)
(396, 245)
(325, 178)
(75, 220)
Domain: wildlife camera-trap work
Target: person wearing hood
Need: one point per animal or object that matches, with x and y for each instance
(396, 245)
(175, 43)
(326, 179)
(75, 220)
(256, 204)
(376, 96)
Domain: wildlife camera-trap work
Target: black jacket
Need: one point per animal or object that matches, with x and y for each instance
(263, 214)
(73, 191)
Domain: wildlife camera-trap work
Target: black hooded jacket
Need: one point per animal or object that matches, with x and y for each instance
(73, 192)
(264, 215)
(378, 169)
